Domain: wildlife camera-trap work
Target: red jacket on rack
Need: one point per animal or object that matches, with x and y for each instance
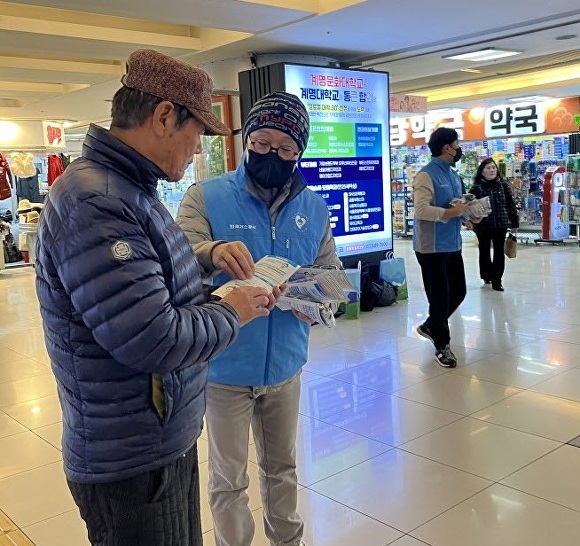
(6, 183)
(55, 168)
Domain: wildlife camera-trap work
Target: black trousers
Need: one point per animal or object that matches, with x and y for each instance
(159, 508)
(444, 281)
(491, 270)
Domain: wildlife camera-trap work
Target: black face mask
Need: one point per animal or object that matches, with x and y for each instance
(268, 170)
(458, 154)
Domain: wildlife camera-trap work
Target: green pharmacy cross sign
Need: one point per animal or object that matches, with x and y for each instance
(577, 119)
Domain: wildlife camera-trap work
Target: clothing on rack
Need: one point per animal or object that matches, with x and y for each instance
(55, 168)
(28, 188)
(23, 164)
(65, 160)
(6, 183)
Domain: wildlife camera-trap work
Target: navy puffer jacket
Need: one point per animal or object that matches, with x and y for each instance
(127, 324)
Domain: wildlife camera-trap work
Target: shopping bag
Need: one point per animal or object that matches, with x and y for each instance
(510, 247)
(392, 270)
(352, 307)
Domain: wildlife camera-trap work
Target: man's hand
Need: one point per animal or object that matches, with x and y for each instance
(468, 224)
(456, 209)
(234, 258)
(250, 302)
(276, 293)
(459, 208)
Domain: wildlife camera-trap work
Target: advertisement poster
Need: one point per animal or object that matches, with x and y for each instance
(347, 159)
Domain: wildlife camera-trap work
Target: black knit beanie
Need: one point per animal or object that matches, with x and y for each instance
(282, 111)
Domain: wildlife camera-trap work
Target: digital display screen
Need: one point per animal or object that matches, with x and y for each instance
(348, 158)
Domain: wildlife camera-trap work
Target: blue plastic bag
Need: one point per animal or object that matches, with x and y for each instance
(393, 270)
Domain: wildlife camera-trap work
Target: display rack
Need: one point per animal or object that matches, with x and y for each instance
(522, 163)
(402, 197)
(570, 197)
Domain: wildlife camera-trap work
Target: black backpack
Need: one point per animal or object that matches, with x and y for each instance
(11, 252)
(374, 292)
(6, 215)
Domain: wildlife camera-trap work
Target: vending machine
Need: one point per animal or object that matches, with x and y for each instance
(553, 228)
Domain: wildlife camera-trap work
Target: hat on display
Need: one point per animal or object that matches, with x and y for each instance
(24, 206)
(282, 111)
(32, 217)
(173, 80)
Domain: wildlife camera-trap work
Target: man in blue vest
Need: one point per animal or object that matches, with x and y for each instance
(437, 239)
(232, 221)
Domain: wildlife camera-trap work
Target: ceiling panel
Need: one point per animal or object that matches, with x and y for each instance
(408, 43)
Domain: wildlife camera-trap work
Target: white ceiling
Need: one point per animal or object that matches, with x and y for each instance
(62, 59)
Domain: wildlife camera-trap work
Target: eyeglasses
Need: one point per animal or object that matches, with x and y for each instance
(263, 147)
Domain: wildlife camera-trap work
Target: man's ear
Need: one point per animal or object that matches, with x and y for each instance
(163, 117)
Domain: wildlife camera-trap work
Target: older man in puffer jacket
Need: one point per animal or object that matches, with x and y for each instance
(128, 326)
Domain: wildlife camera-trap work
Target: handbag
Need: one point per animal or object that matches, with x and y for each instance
(510, 247)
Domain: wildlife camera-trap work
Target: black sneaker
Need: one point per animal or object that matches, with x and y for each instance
(423, 331)
(446, 358)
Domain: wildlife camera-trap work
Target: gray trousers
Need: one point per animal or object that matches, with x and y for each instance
(273, 414)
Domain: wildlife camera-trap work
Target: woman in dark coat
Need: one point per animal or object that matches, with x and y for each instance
(493, 228)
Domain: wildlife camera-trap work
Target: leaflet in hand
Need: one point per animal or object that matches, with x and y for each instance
(320, 284)
(318, 312)
(270, 271)
(314, 290)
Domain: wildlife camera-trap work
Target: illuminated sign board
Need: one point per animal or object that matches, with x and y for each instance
(347, 159)
(502, 121)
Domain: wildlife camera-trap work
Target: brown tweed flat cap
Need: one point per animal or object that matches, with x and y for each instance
(173, 80)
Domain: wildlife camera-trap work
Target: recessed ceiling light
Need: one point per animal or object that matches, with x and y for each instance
(486, 54)
(444, 110)
(530, 98)
(470, 70)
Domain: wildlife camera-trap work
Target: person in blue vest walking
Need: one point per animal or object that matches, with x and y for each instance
(264, 207)
(437, 239)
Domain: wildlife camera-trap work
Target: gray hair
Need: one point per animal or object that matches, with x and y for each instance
(131, 108)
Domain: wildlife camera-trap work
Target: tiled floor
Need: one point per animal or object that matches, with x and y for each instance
(392, 448)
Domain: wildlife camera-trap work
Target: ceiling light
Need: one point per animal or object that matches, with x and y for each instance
(471, 70)
(440, 111)
(530, 98)
(486, 54)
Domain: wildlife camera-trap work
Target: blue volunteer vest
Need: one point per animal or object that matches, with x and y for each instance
(446, 236)
(268, 350)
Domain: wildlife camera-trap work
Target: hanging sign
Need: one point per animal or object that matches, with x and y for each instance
(518, 119)
(502, 121)
(53, 134)
(408, 104)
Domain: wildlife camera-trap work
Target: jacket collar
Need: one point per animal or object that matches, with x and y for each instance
(102, 147)
(441, 163)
